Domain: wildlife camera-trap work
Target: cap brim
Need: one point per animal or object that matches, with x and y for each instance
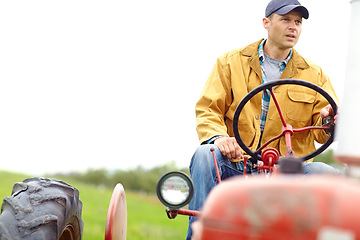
(289, 8)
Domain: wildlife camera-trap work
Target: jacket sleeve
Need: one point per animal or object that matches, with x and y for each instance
(321, 136)
(214, 102)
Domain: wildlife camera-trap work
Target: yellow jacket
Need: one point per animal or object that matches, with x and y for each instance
(238, 72)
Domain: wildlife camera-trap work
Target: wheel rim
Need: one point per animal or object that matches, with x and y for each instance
(72, 230)
(68, 233)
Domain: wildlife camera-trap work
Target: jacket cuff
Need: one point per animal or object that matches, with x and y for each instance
(212, 140)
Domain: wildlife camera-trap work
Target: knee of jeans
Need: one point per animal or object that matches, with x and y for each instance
(203, 156)
(318, 167)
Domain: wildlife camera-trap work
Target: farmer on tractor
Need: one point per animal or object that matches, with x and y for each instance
(238, 72)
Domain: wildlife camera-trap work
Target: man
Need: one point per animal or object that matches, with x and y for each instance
(238, 72)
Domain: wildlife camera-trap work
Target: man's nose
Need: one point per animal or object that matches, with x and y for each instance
(292, 25)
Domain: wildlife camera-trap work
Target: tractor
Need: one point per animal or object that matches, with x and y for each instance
(279, 203)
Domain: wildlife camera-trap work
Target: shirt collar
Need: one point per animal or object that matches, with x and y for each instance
(262, 54)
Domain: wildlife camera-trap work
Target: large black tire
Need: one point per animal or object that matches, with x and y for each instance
(41, 209)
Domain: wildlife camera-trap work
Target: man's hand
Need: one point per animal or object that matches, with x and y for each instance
(328, 111)
(229, 147)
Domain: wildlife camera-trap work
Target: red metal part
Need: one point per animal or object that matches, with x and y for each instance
(116, 221)
(270, 156)
(245, 164)
(288, 132)
(216, 165)
(278, 108)
(293, 130)
(172, 214)
(310, 128)
(282, 208)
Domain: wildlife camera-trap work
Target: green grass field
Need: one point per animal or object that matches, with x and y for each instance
(146, 215)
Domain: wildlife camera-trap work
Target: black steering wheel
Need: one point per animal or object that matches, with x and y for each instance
(268, 86)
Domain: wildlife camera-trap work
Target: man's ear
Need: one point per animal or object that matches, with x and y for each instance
(266, 22)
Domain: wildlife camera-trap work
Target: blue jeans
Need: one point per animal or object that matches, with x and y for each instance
(203, 174)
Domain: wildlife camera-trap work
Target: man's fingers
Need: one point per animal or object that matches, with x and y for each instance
(229, 147)
(227, 151)
(238, 153)
(327, 111)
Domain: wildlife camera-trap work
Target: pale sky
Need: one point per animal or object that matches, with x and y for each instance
(89, 84)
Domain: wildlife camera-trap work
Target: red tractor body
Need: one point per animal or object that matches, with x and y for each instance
(282, 207)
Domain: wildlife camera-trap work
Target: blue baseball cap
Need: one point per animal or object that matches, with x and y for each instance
(283, 7)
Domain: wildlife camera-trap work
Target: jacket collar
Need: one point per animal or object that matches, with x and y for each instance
(296, 62)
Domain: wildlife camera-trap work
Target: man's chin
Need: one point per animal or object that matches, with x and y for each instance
(290, 44)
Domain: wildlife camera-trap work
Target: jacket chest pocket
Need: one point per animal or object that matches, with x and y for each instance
(300, 104)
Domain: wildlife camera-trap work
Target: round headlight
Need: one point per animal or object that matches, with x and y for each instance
(175, 190)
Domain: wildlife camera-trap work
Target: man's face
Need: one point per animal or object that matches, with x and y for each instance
(283, 30)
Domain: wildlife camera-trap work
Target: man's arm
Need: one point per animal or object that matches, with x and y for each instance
(211, 110)
(213, 104)
(323, 108)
